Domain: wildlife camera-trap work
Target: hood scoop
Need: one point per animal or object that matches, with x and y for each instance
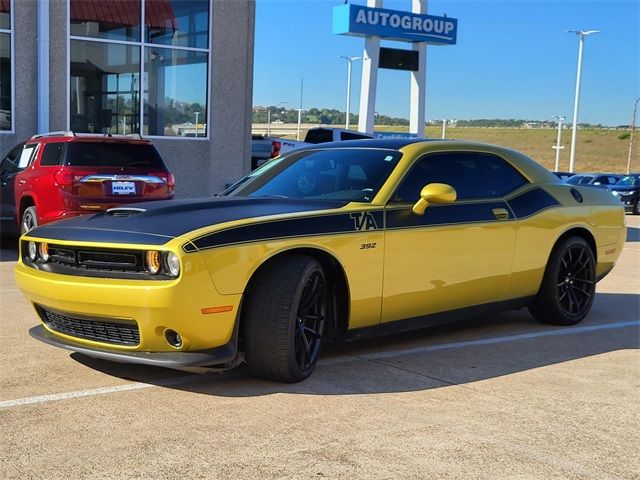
(125, 211)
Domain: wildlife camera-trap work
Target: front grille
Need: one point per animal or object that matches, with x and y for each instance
(123, 332)
(94, 262)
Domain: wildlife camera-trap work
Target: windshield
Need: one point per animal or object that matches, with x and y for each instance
(579, 180)
(629, 181)
(350, 174)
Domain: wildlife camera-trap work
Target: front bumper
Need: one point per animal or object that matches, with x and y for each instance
(156, 306)
(215, 356)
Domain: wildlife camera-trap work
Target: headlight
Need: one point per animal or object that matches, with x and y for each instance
(172, 264)
(152, 258)
(33, 251)
(43, 250)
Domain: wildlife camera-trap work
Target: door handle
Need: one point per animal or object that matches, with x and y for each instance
(22, 182)
(501, 213)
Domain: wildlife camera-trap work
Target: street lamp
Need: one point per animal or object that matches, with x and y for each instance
(582, 34)
(196, 114)
(558, 146)
(349, 60)
(633, 127)
(269, 118)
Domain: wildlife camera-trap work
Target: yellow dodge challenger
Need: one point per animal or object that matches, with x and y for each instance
(334, 242)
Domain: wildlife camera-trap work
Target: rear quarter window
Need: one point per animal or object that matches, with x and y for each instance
(52, 154)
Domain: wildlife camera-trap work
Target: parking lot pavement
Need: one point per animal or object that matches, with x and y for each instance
(498, 397)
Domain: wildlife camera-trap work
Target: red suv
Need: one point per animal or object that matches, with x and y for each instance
(60, 175)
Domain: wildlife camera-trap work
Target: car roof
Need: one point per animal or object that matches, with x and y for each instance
(386, 143)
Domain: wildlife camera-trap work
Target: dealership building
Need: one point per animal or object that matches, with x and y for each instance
(178, 72)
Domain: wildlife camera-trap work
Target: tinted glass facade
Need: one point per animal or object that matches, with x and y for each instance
(6, 67)
(122, 66)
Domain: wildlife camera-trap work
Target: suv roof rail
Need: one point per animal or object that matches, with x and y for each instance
(60, 133)
(109, 135)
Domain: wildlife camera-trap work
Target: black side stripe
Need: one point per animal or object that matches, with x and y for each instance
(446, 214)
(531, 202)
(521, 206)
(299, 227)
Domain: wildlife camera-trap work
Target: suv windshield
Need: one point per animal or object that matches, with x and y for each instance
(107, 154)
(350, 174)
(629, 181)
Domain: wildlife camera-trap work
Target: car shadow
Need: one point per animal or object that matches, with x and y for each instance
(633, 234)
(421, 360)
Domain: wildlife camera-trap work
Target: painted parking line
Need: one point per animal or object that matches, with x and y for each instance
(329, 361)
(483, 341)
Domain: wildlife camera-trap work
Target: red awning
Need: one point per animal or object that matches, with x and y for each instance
(158, 13)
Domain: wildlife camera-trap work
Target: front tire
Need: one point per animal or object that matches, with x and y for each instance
(568, 286)
(29, 220)
(284, 318)
(636, 207)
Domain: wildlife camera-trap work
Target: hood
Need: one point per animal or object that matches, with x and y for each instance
(158, 222)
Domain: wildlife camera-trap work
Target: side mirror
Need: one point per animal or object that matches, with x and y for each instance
(434, 193)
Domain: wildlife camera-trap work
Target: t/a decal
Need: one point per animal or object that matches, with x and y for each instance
(364, 221)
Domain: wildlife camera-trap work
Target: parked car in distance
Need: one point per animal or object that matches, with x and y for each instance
(331, 242)
(262, 150)
(59, 175)
(594, 179)
(564, 176)
(627, 190)
(319, 135)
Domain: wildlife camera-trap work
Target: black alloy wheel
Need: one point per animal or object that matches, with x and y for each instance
(283, 318)
(569, 284)
(576, 281)
(310, 321)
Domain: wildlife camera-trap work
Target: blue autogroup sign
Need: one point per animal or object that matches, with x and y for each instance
(359, 20)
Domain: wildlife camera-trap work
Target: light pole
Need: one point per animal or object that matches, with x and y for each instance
(269, 118)
(633, 128)
(558, 146)
(196, 114)
(349, 60)
(582, 34)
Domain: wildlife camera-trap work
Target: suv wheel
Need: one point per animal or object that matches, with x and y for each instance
(29, 220)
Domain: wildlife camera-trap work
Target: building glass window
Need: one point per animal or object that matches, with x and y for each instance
(105, 87)
(114, 75)
(106, 19)
(178, 22)
(169, 108)
(6, 67)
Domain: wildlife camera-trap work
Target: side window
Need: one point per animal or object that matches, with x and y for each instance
(27, 155)
(471, 174)
(52, 154)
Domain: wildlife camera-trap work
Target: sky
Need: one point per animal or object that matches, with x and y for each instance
(512, 59)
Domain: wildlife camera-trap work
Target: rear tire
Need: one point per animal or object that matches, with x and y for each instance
(29, 220)
(568, 286)
(284, 318)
